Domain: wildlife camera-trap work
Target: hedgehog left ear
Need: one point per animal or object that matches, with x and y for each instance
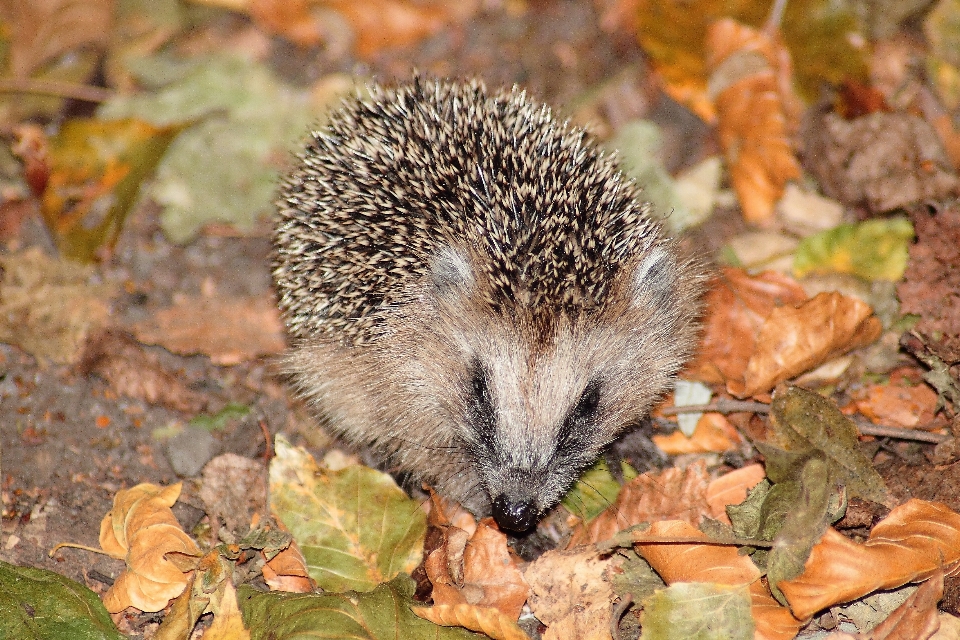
(654, 279)
(451, 272)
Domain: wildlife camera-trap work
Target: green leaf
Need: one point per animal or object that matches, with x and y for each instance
(806, 422)
(41, 605)
(698, 611)
(226, 166)
(595, 490)
(96, 171)
(219, 420)
(381, 613)
(355, 526)
(873, 250)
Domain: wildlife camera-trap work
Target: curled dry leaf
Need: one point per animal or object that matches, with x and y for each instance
(118, 358)
(732, 488)
(714, 563)
(287, 571)
(737, 305)
(757, 113)
(570, 595)
(898, 405)
(477, 571)
(672, 494)
(796, 339)
(911, 544)
(141, 529)
(487, 620)
(229, 330)
(917, 617)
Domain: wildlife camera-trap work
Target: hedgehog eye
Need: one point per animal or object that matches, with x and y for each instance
(581, 415)
(482, 415)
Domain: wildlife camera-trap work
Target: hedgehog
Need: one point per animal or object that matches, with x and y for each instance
(475, 292)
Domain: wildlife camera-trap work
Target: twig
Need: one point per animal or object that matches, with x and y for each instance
(884, 431)
(55, 88)
(720, 406)
(618, 610)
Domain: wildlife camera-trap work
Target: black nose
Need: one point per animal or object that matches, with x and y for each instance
(516, 515)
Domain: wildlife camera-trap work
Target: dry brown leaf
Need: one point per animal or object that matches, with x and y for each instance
(292, 19)
(713, 433)
(227, 621)
(732, 488)
(911, 544)
(41, 30)
(570, 595)
(670, 495)
(141, 529)
(897, 405)
(797, 339)
(229, 330)
(718, 564)
(287, 571)
(757, 113)
(917, 618)
(116, 357)
(477, 571)
(47, 306)
(737, 304)
(487, 620)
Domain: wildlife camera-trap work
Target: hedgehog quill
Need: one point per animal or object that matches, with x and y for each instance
(475, 291)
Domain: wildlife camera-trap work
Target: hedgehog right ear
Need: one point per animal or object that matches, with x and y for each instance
(451, 272)
(654, 280)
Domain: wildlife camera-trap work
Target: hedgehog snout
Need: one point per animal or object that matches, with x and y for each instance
(516, 513)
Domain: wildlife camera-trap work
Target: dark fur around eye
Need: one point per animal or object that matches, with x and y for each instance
(580, 417)
(481, 413)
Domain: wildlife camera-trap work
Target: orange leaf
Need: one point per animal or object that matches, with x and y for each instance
(718, 564)
(797, 339)
(911, 544)
(486, 620)
(757, 113)
(737, 305)
(141, 529)
(287, 571)
(672, 494)
(898, 405)
(713, 433)
(570, 595)
(732, 488)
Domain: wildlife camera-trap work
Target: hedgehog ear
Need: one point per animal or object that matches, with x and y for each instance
(451, 272)
(654, 279)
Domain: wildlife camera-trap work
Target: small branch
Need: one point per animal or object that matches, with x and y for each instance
(883, 431)
(55, 88)
(616, 541)
(775, 19)
(720, 406)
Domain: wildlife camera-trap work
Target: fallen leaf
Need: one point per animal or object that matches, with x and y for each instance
(489, 621)
(478, 571)
(872, 250)
(229, 330)
(757, 114)
(141, 530)
(96, 168)
(570, 595)
(897, 405)
(595, 490)
(355, 527)
(732, 488)
(917, 617)
(116, 357)
(793, 340)
(911, 544)
(737, 305)
(49, 306)
(698, 609)
(287, 571)
(227, 621)
(713, 433)
(672, 494)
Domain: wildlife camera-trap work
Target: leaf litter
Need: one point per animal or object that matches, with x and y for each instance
(759, 525)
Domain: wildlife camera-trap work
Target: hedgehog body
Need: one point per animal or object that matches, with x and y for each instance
(474, 291)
